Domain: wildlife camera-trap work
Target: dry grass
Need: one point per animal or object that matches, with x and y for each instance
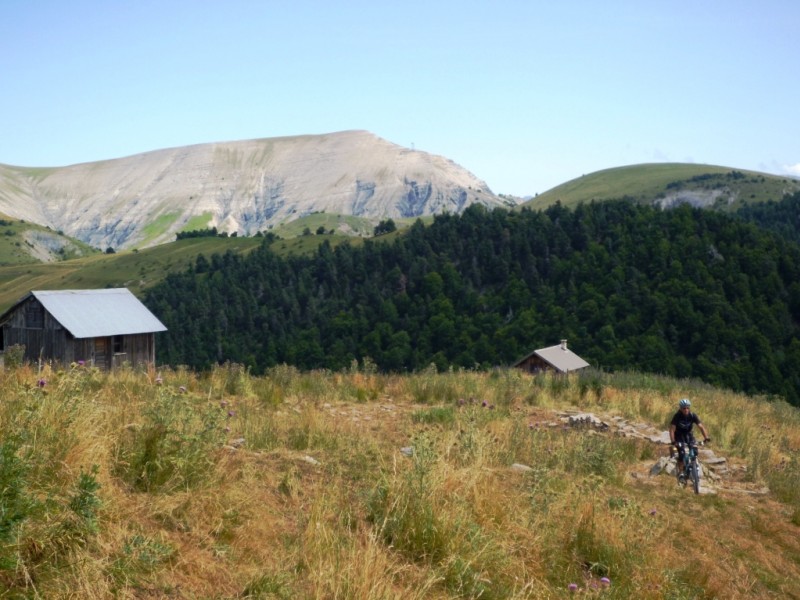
(223, 485)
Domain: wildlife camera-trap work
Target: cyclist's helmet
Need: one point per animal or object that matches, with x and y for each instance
(685, 403)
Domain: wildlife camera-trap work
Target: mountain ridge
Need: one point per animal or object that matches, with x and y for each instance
(242, 186)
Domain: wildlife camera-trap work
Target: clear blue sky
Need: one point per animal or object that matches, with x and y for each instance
(525, 94)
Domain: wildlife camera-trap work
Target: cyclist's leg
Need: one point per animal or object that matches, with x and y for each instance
(680, 464)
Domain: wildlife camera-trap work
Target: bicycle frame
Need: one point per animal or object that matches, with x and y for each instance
(691, 470)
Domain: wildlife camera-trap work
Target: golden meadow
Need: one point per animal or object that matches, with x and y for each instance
(173, 484)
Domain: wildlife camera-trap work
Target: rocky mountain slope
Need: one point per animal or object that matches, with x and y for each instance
(241, 187)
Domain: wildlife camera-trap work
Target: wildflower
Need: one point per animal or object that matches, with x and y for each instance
(223, 403)
(572, 587)
(81, 363)
(231, 413)
(484, 404)
(653, 511)
(41, 383)
(461, 402)
(605, 581)
(159, 381)
(530, 425)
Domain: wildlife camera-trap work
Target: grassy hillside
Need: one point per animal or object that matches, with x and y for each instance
(346, 225)
(358, 485)
(341, 224)
(23, 243)
(135, 270)
(651, 182)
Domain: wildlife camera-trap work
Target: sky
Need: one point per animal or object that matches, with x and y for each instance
(524, 94)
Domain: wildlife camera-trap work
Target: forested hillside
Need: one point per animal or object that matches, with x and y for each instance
(781, 217)
(684, 292)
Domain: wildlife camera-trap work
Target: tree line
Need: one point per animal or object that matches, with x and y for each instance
(684, 292)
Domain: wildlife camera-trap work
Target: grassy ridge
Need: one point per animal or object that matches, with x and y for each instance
(22, 243)
(649, 181)
(223, 485)
(135, 270)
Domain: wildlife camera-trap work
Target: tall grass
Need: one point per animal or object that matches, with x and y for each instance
(169, 483)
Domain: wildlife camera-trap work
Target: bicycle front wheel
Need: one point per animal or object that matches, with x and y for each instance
(695, 474)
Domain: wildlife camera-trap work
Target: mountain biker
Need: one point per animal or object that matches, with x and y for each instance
(680, 430)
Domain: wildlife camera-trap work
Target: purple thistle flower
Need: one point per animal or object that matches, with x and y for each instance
(41, 383)
(223, 403)
(605, 581)
(653, 511)
(484, 404)
(572, 587)
(81, 363)
(231, 413)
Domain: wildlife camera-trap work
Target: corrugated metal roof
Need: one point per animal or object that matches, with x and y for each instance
(99, 313)
(562, 358)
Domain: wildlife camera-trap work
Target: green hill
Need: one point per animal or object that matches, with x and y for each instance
(136, 270)
(139, 270)
(23, 243)
(670, 183)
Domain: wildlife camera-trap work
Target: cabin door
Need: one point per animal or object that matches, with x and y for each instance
(100, 353)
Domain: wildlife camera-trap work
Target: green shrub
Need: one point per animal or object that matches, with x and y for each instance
(403, 509)
(439, 415)
(17, 503)
(173, 448)
(140, 556)
(14, 356)
(85, 503)
(268, 586)
(784, 480)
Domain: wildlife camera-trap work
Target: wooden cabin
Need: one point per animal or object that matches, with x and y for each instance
(559, 359)
(104, 328)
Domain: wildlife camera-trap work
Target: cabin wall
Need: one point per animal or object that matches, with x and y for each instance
(33, 327)
(534, 364)
(132, 349)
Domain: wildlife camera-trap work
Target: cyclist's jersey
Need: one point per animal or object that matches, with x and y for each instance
(683, 426)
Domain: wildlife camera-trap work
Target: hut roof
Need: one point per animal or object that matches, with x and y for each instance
(96, 313)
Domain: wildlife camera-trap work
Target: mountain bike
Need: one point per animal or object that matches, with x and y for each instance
(691, 468)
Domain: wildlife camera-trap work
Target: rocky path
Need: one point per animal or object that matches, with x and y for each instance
(719, 474)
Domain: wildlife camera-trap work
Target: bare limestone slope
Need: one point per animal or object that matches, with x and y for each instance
(242, 187)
